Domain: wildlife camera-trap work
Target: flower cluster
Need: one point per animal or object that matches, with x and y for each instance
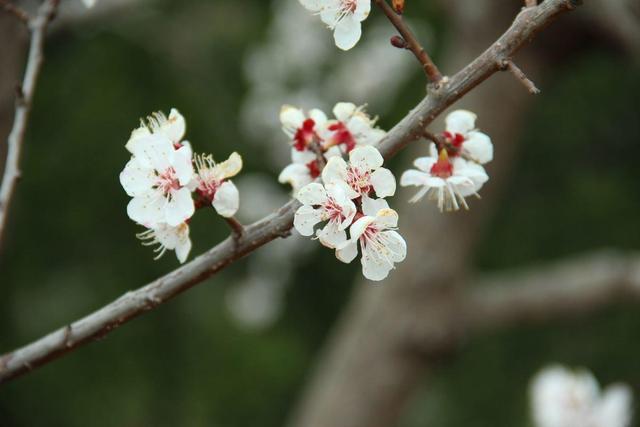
(161, 179)
(564, 398)
(344, 17)
(315, 139)
(351, 197)
(453, 170)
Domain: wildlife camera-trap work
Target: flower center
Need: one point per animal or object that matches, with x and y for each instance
(304, 135)
(342, 135)
(348, 6)
(455, 140)
(359, 181)
(443, 167)
(168, 181)
(333, 210)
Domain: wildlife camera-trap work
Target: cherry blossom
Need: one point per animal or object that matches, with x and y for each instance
(168, 238)
(320, 204)
(212, 185)
(463, 136)
(157, 177)
(446, 180)
(304, 168)
(172, 127)
(380, 244)
(362, 176)
(301, 128)
(352, 127)
(344, 17)
(564, 398)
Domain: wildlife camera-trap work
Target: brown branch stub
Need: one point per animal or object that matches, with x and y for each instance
(15, 10)
(509, 65)
(411, 128)
(237, 229)
(412, 43)
(24, 95)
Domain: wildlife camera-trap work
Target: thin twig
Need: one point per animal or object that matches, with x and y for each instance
(237, 229)
(19, 13)
(98, 324)
(509, 65)
(38, 26)
(412, 43)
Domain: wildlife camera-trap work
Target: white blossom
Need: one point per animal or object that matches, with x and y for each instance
(157, 177)
(344, 17)
(448, 181)
(319, 204)
(168, 238)
(362, 176)
(352, 127)
(304, 168)
(461, 133)
(173, 128)
(564, 398)
(213, 186)
(380, 244)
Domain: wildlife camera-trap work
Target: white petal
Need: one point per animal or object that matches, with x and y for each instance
(230, 167)
(312, 5)
(226, 200)
(331, 236)
(461, 121)
(374, 267)
(360, 226)
(175, 126)
(291, 117)
(387, 218)
(333, 152)
(295, 175)
(335, 170)
(344, 110)
(347, 251)
(425, 163)
(136, 179)
(363, 8)
(396, 245)
(479, 147)
(312, 194)
(371, 207)
(302, 157)
(413, 177)
(183, 165)
(384, 183)
(147, 209)
(180, 207)
(305, 218)
(318, 116)
(614, 408)
(347, 32)
(137, 135)
(156, 151)
(366, 158)
(183, 249)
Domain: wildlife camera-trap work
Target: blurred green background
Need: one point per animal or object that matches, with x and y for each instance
(70, 247)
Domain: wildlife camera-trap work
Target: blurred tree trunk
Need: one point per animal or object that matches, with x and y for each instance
(382, 345)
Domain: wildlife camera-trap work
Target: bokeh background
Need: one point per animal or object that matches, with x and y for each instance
(238, 349)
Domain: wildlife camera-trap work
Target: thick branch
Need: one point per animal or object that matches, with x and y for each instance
(412, 43)
(411, 128)
(38, 26)
(568, 287)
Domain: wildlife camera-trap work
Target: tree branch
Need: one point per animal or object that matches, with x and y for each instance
(411, 42)
(15, 10)
(528, 23)
(38, 27)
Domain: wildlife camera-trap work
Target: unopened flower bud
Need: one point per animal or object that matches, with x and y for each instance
(398, 42)
(398, 6)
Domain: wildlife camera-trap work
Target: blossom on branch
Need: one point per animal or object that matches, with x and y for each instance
(445, 180)
(381, 245)
(351, 128)
(462, 136)
(213, 186)
(168, 238)
(564, 398)
(344, 17)
(172, 128)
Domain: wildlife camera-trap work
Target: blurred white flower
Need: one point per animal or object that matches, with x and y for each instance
(344, 17)
(448, 181)
(212, 183)
(321, 204)
(168, 238)
(256, 303)
(380, 244)
(89, 3)
(352, 127)
(362, 176)
(462, 134)
(564, 398)
(156, 177)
